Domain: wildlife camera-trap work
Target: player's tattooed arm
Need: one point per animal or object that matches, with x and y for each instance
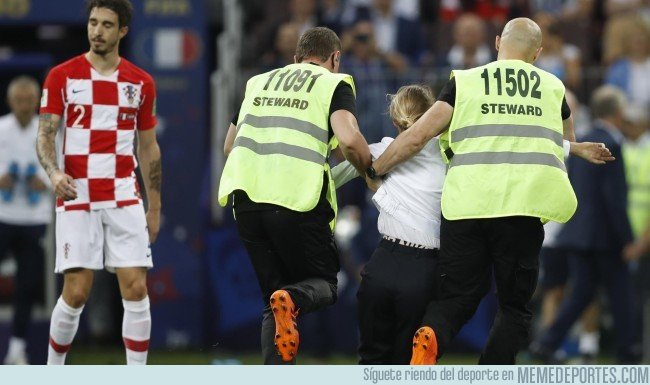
(45, 147)
(155, 175)
(62, 184)
(151, 166)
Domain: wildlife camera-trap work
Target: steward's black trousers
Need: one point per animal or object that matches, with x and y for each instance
(396, 286)
(469, 251)
(289, 250)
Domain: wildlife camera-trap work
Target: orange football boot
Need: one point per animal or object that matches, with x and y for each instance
(425, 347)
(287, 337)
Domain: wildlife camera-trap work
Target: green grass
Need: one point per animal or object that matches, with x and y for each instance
(115, 356)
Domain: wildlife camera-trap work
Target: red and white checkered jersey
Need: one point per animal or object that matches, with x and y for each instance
(100, 116)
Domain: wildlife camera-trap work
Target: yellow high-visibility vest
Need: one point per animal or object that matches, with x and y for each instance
(506, 136)
(637, 172)
(282, 144)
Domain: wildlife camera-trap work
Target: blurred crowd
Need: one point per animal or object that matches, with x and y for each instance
(390, 43)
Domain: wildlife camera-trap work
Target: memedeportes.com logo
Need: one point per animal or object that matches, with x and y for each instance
(510, 375)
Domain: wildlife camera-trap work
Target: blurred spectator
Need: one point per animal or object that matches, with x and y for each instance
(470, 49)
(558, 58)
(369, 71)
(265, 20)
(397, 37)
(286, 41)
(617, 7)
(332, 15)
(303, 14)
(442, 14)
(637, 167)
(558, 8)
(495, 11)
(25, 209)
(564, 10)
(596, 235)
(619, 30)
(631, 73)
(580, 114)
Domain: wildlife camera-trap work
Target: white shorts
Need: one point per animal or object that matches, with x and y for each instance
(106, 238)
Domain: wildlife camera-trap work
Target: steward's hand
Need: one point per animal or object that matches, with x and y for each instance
(595, 153)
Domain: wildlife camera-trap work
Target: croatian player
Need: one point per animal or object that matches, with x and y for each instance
(101, 100)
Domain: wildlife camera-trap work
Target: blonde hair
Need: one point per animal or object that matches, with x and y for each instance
(409, 104)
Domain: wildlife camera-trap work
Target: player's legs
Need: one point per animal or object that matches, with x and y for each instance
(136, 325)
(589, 341)
(126, 249)
(583, 278)
(615, 275)
(133, 283)
(65, 316)
(554, 271)
(79, 240)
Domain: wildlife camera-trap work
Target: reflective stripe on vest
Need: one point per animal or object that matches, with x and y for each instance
(515, 130)
(532, 158)
(285, 122)
(280, 149)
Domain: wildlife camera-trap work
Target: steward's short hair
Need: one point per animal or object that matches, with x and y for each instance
(318, 42)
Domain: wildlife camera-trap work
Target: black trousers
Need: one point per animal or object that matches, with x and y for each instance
(469, 251)
(292, 251)
(396, 286)
(26, 244)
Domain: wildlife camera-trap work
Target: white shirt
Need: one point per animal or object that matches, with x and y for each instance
(18, 145)
(409, 198)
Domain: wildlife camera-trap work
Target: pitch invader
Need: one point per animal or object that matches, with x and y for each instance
(102, 101)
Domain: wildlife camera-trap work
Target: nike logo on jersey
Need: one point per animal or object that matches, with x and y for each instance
(76, 91)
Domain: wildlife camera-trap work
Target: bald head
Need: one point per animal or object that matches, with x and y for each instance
(521, 39)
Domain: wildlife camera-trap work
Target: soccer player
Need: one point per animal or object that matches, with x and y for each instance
(101, 99)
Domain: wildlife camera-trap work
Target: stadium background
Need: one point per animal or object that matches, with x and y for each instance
(205, 299)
